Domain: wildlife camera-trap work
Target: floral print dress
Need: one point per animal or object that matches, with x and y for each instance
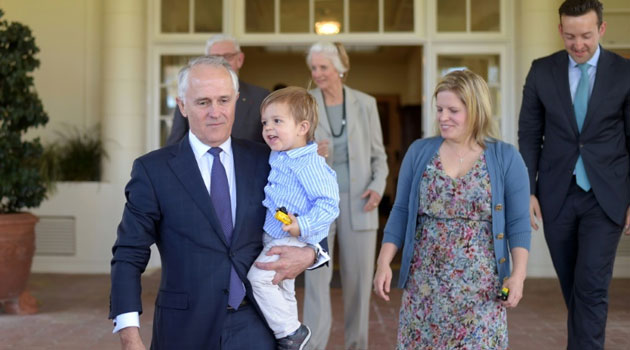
(450, 300)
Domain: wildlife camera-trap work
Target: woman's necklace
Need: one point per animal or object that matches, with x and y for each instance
(343, 114)
(461, 161)
(461, 157)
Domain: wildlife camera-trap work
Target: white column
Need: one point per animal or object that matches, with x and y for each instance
(124, 86)
(537, 36)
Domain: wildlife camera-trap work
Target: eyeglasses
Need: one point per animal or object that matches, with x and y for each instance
(227, 56)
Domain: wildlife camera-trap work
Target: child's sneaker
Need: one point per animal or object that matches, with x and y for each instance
(295, 341)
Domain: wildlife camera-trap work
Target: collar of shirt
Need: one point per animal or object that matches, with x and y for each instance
(296, 153)
(200, 149)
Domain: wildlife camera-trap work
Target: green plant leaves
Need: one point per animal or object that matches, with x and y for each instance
(75, 157)
(21, 184)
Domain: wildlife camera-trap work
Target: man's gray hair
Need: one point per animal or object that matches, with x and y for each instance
(214, 61)
(219, 38)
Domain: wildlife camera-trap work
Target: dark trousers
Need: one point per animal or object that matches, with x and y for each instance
(583, 241)
(245, 329)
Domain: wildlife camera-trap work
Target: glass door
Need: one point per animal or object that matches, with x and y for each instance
(489, 61)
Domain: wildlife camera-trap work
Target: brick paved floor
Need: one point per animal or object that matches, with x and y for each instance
(68, 322)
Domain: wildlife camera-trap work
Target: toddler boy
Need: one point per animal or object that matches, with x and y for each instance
(302, 182)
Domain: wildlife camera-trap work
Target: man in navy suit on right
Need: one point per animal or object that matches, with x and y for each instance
(574, 135)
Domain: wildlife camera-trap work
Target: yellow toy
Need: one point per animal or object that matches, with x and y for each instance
(283, 216)
(505, 292)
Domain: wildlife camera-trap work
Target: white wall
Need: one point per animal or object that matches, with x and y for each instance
(97, 211)
(68, 34)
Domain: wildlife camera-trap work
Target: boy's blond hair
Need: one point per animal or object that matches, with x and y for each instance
(302, 106)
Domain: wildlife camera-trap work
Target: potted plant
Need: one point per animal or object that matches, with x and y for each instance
(75, 156)
(21, 185)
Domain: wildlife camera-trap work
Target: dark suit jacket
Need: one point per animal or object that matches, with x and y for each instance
(550, 142)
(247, 123)
(169, 205)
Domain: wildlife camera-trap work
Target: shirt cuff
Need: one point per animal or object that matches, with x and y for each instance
(128, 319)
(322, 257)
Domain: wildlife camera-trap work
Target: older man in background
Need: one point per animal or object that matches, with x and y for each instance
(247, 116)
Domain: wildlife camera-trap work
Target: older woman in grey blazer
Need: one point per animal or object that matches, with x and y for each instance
(350, 138)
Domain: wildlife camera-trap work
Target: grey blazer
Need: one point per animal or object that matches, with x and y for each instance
(366, 153)
(246, 120)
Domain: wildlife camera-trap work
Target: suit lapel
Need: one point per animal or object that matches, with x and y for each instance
(603, 78)
(561, 77)
(352, 110)
(185, 167)
(323, 119)
(244, 170)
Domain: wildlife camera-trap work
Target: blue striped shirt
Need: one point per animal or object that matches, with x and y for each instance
(302, 182)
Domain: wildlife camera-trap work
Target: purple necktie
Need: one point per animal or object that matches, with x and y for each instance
(220, 196)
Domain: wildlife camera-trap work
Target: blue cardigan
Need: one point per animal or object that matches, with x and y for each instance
(510, 201)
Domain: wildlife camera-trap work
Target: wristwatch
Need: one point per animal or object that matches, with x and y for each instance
(317, 249)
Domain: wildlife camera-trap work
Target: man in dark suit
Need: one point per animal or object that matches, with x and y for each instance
(200, 202)
(574, 135)
(247, 121)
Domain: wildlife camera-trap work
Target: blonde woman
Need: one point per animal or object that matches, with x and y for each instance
(462, 200)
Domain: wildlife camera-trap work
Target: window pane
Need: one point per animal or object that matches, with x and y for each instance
(174, 16)
(398, 16)
(487, 66)
(259, 16)
(451, 15)
(294, 16)
(364, 15)
(169, 68)
(485, 16)
(208, 16)
(329, 12)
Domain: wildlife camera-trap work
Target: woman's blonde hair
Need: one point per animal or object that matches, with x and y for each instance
(473, 91)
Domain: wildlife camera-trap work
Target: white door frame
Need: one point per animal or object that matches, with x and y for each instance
(431, 74)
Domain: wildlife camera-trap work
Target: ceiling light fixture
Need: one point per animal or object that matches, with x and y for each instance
(327, 27)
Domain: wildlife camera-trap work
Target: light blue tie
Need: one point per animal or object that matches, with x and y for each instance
(580, 105)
